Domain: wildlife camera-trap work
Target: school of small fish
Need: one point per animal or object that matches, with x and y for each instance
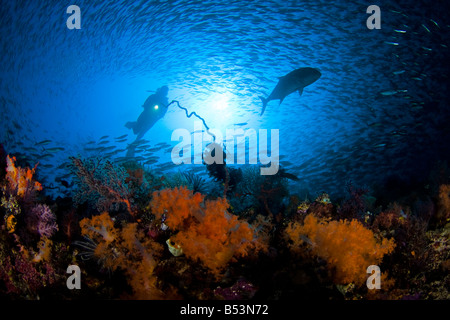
(376, 110)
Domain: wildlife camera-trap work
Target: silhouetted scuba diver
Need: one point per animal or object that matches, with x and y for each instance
(155, 107)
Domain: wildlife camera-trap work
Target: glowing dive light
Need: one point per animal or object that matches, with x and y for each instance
(156, 107)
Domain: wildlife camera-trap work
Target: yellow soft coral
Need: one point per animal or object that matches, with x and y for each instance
(20, 179)
(347, 246)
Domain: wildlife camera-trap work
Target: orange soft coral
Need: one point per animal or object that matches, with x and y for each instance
(20, 180)
(347, 246)
(101, 226)
(128, 249)
(45, 247)
(206, 231)
(177, 204)
(140, 262)
(100, 229)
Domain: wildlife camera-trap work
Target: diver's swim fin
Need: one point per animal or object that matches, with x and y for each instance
(130, 151)
(130, 124)
(264, 101)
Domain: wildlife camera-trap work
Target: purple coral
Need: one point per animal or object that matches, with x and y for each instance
(42, 221)
(241, 290)
(24, 276)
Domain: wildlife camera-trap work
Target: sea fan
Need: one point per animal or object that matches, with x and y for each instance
(42, 221)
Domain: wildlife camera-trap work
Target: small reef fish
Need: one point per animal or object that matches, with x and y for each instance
(389, 93)
(56, 149)
(113, 153)
(103, 142)
(151, 161)
(94, 149)
(43, 143)
(103, 149)
(45, 156)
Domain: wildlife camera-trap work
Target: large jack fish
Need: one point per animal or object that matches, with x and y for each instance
(294, 81)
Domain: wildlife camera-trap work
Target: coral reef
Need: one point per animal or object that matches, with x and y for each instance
(443, 214)
(139, 235)
(355, 206)
(347, 246)
(20, 181)
(241, 290)
(124, 248)
(24, 272)
(42, 221)
(206, 231)
(101, 182)
(265, 194)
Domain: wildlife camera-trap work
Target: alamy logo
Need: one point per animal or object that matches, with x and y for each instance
(74, 21)
(258, 147)
(374, 280)
(374, 21)
(74, 281)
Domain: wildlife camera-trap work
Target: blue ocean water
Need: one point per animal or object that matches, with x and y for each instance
(380, 109)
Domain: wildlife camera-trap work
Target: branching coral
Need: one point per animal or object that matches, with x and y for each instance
(347, 246)
(206, 231)
(101, 182)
